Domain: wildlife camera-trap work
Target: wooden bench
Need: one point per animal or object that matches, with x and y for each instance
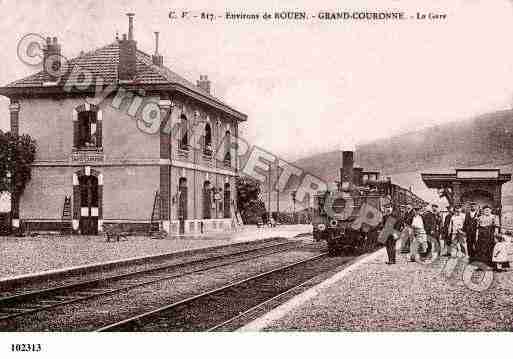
(114, 232)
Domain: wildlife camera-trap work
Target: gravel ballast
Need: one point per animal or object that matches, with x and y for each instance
(94, 313)
(403, 297)
(27, 255)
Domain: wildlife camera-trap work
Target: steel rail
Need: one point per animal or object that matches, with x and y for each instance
(53, 299)
(260, 305)
(147, 315)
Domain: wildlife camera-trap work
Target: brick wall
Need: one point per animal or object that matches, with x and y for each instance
(130, 168)
(123, 140)
(129, 192)
(49, 122)
(44, 195)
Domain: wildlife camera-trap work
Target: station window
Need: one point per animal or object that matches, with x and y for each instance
(227, 201)
(228, 144)
(184, 134)
(207, 149)
(87, 128)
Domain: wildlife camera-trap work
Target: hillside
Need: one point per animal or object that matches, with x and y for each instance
(484, 141)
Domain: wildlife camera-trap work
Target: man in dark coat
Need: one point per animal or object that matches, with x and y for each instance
(410, 213)
(446, 236)
(470, 228)
(433, 223)
(391, 228)
(407, 220)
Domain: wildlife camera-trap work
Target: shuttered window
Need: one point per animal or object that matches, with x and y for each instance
(87, 130)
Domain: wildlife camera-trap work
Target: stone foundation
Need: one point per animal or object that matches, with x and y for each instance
(201, 226)
(192, 226)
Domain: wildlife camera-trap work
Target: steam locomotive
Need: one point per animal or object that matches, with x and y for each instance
(349, 217)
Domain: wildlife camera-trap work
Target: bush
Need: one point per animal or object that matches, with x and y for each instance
(16, 156)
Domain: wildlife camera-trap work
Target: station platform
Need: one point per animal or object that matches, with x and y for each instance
(22, 256)
(446, 295)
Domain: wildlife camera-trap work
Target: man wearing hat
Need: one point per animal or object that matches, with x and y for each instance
(470, 228)
(445, 242)
(407, 219)
(419, 244)
(391, 235)
(458, 237)
(433, 222)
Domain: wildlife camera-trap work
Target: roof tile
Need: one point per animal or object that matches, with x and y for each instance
(103, 63)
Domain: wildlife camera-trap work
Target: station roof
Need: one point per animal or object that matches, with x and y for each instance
(103, 63)
(440, 180)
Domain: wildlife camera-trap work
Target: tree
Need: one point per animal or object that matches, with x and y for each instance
(16, 156)
(249, 203)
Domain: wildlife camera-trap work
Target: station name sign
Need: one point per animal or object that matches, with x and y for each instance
(477, 174)
(85, 157)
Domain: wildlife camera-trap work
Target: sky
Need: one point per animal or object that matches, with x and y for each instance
(307, 87)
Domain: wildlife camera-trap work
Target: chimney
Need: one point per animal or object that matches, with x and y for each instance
(127, 53)
(204, 83)
(157, 58)
(51, 59)
(346, 172)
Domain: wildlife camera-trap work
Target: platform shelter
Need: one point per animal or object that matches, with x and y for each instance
(483, 186)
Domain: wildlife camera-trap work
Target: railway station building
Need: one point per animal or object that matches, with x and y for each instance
(101, 163)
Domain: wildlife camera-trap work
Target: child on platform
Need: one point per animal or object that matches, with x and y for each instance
(502, 252)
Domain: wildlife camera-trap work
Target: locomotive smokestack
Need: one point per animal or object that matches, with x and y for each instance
(357, 176)
(130, 25)
(346, 172)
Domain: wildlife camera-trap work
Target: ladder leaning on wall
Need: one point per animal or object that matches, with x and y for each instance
(155, 230)
(236, 219)
(66, 216)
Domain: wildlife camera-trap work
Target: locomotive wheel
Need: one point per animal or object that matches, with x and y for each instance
(331, 252)
(332, 249)
(332, 245)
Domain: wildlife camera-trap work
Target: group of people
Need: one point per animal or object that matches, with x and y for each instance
(474, 234)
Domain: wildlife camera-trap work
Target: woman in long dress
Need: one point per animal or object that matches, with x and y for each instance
(486, 230)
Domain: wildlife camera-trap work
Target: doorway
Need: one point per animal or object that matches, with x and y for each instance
(207, 200)
(88, 224)
(182, 203)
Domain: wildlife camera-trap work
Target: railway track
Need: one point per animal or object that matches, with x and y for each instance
(216, 309)
(16, 306)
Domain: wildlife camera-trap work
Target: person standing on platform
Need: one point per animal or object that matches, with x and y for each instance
(470, 229)
(502, 252)
(419, 244)
(407, 237)
(458, 238)
(445, 241)
(485, 240)
(433, 223)
(410, 213)
(391, 240)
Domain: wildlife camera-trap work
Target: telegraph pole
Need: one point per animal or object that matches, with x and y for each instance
(293, 195)
(277, 193)
(269, 197)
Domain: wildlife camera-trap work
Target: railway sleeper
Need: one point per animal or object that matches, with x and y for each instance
(85, 294)
(50, 301)
(16, 310)
(66, 297)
